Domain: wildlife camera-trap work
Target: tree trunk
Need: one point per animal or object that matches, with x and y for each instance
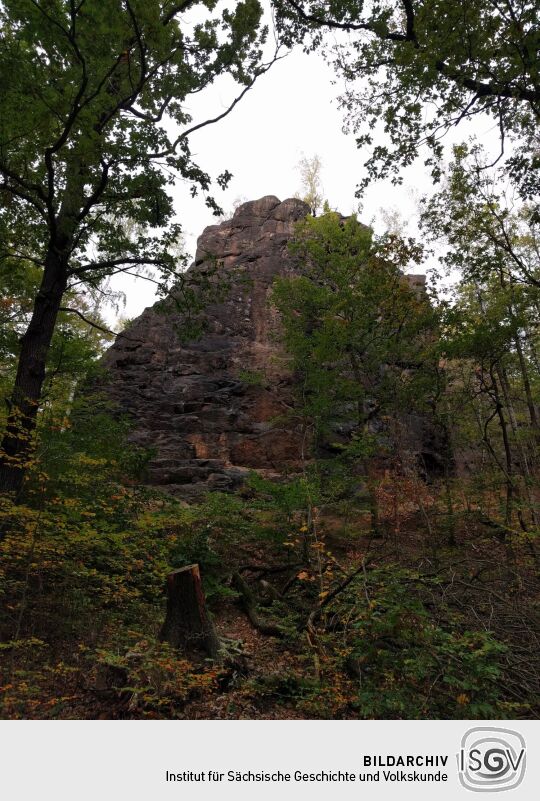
(187, 624)
(523, 461)
(509, 472)
(533, 415)
(522, 363)
(24, 402)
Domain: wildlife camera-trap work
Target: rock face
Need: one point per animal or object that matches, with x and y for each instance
(215, 407)
(201, 405)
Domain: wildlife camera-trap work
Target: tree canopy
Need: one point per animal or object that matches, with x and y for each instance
(425, 66)
(86, 89)
(93, 133)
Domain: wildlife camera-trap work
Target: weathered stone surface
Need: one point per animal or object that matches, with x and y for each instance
(198, 404)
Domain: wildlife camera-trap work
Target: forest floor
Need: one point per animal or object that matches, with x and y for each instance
(474, 580)
(467, 585)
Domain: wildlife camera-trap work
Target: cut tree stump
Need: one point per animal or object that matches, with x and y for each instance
(187, 623)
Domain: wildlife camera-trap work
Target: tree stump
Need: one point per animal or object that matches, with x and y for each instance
(187, 623)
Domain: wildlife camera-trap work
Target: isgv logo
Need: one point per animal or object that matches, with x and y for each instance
(491, 759)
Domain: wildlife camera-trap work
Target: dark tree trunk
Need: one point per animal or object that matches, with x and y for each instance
(509, 471)
(187, 624)
(527, 387)
(24, 402)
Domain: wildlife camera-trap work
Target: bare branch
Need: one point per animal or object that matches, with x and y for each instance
(109, 263)
(184, 135)
(89, 322)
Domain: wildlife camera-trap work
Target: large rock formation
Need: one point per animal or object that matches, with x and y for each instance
(203, 405)
(215, 407)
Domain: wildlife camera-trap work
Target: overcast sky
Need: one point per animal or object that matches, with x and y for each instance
(291, 111)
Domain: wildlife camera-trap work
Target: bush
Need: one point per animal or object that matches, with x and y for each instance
(409, 664)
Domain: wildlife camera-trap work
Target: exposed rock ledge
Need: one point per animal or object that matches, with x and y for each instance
(194, 402)
(191, 402)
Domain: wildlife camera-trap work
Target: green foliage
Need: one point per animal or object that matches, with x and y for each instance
(73, 552)
(416, 69)
(488, 234)
(94, 131)
(18, 283)
(489, 331)
(282, 687)
(91, 158)
(151, 678)
(221, 529)
(253, 378)
(406, 663)
(287, 496)
(75, 345)
(94, 549)
(67, 568)
(402, 654)
(352, 325)
(86, 437)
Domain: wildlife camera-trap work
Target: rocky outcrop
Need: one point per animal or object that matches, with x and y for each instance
(213, 408)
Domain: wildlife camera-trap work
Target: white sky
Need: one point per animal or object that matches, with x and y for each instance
(291, 111)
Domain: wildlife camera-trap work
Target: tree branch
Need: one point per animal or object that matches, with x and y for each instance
(264, 69)
(109, 263)
(22, 195)
(481, 88)
(349, 26)
(487, 89)
(89, 322)
(98, 191)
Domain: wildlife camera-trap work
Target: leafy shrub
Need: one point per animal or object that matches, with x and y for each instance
(407, 663)
(152, 678)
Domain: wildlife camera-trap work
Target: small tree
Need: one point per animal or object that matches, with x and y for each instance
(358, 338)
(493, 325)
(310, 177)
